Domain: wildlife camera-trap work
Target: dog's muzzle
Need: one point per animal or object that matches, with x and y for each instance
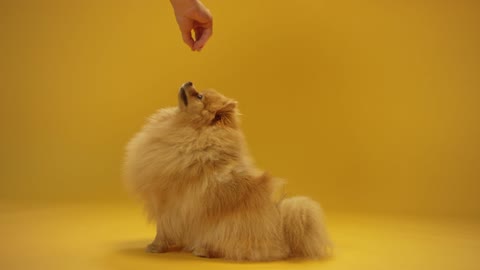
(183, 95)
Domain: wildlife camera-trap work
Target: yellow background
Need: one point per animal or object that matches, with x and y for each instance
(367, 106)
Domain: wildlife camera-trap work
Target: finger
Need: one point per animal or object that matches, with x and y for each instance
(198, 33)
(186, 30)
(199, 43)
(187, 38)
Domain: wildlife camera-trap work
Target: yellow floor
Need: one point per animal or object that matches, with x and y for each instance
(113, 237)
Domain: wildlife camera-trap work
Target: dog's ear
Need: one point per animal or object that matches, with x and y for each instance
(225, 115)
(229, 107)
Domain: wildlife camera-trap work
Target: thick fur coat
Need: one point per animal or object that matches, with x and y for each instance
(190, 166)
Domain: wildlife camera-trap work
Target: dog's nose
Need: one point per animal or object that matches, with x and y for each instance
(187, 84)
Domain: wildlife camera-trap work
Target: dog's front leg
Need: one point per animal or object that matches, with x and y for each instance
(160, 244)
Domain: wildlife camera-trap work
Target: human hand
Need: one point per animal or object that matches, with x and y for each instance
(193, 15)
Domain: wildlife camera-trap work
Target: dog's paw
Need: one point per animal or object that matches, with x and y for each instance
(205, 253)
(155, 248)
(202, 252)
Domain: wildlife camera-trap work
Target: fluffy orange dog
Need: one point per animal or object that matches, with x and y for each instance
(190, 166)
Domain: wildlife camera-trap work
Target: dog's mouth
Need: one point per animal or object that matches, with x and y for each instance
(183, 96)
(186, 90)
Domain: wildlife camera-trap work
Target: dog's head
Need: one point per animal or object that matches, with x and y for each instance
(207, 108)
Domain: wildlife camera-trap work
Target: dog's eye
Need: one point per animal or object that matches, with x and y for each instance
(199, 96)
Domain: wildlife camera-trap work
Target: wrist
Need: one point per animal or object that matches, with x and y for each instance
(181, 5)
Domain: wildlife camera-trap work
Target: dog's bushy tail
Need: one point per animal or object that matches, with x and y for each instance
(304, 228)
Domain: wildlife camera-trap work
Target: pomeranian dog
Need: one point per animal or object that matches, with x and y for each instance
(190, 166)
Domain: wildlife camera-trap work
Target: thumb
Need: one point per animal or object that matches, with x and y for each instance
(186, 30)
(187, 38)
